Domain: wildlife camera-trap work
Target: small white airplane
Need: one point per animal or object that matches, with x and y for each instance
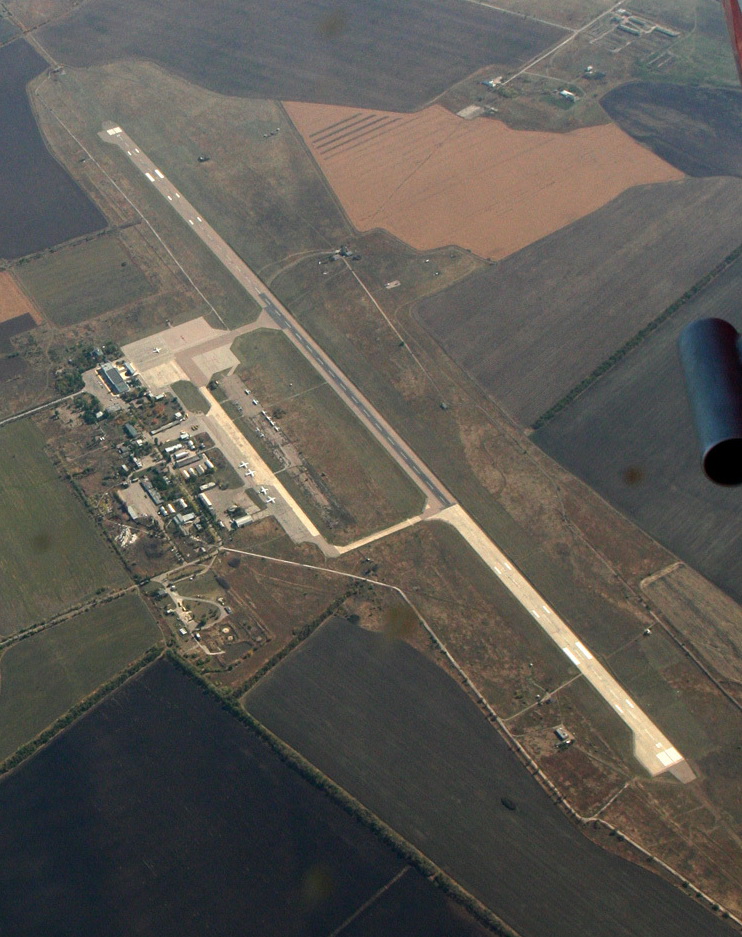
(157, 350)
(249, 473)
(244, 465)
(263, 490)
(269, 500)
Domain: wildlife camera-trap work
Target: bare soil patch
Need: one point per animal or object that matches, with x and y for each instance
(434, 179)
(695, 129)
(13, 301)
(531, 328)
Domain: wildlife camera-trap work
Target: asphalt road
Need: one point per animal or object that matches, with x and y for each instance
(651, 747)
(359, 405)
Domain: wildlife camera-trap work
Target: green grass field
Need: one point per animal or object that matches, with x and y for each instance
(45, 675)
(51, 555)
(191, 397)
(365, 489)
(83, 281)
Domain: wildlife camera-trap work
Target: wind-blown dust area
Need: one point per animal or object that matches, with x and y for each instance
(434, 179)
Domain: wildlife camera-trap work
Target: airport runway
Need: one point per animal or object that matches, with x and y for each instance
(651, 747)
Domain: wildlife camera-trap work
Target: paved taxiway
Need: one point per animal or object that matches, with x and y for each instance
(651, 747)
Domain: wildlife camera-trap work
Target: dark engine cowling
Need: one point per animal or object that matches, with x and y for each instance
(710, 351)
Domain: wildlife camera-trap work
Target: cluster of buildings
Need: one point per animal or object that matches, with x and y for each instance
(117, 378)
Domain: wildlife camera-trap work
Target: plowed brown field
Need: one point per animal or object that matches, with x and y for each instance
(13, 301)
(434, 179)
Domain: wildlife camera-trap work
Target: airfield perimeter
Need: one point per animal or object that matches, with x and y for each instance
(652, 749)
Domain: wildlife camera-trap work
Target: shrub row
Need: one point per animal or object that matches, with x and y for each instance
(25, 751)
(637, 339)
(292, 759)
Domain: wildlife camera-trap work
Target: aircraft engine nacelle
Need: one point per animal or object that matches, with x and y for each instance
(711, 354)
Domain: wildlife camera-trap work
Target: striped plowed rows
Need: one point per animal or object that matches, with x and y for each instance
(433, 179)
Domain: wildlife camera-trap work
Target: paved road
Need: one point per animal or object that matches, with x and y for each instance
(437, 496)
(652, 749)
(358, 403)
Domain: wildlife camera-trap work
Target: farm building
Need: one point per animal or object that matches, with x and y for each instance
(112, 376)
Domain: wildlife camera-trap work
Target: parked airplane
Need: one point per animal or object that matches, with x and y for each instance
(263, 490)
(249, 473)
(244, 465)
(156, 350)
(269, 500)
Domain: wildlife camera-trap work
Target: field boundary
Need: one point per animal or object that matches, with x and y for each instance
(84, 705)
(295, 760)
(595, 821)
(637, 339)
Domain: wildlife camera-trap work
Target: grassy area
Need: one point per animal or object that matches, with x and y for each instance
(79, 282)
(344, 478)
(51, 555)
(191, 397)
(45, 675)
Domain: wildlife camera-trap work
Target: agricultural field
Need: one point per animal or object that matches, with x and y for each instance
(394, 54)
(45, 675)
(707, 618)
(42, 205)
(82, 281)
(344, 478)
(160, 774)
(14, 304)
(52, 555)
(692, 128)
(631, 437)
(12, 327)
(433, 179)
(527, 333)
(402, 737)
(191, 397)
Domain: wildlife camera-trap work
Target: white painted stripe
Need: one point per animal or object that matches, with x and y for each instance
(136, 150)
(508, 566)
(628, 701)
(498, 570)
(159, 174)
(190, 221)
(546, 608)
(571, 656)
(151, 178)
(618, 708)
(114, 131)
(198, 219)
(581, 647)
(535, 613)
(665, 759)
(170, 197)
(673, 754)
(177, 195)
(128, 152)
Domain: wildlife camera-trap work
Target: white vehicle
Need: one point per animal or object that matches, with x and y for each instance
(247, 392)
(255, 403)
